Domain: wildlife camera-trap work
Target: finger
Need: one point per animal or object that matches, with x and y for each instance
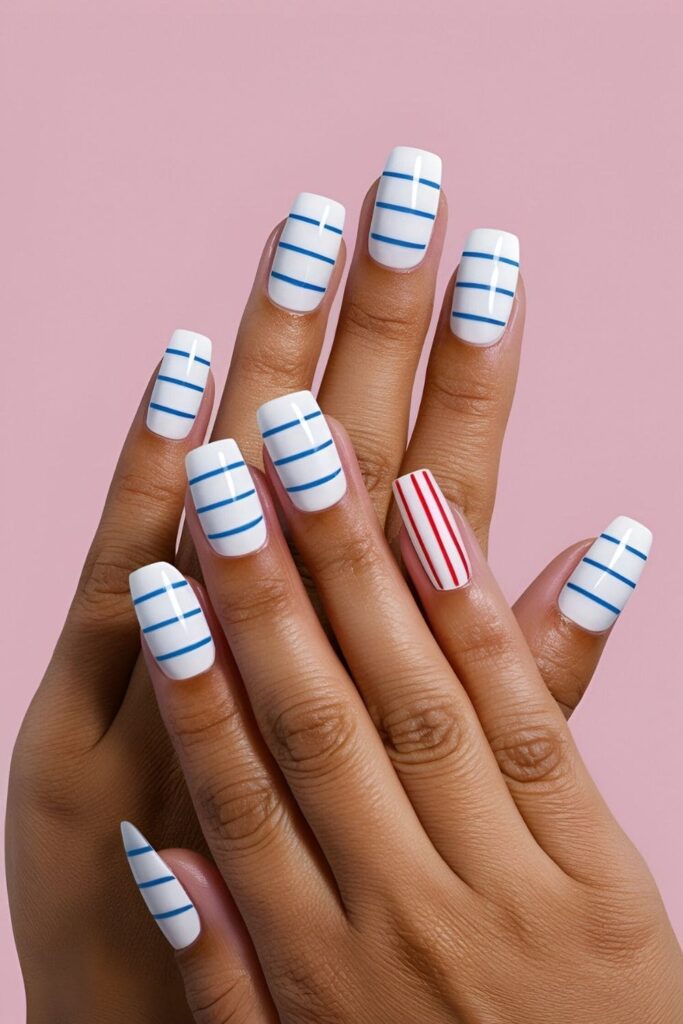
(249, 821)
(385, 314)
(471, 378)
(477, 631)
(99, 643)
(283, 326)
(189, 901)
(420, 710)
(307, 708)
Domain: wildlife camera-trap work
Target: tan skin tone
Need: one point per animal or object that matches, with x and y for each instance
(422, 841)
(92, 749)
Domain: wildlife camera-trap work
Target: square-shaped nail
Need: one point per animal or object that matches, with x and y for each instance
(166, 899)
(406, 206)
(602, 583)
(433, 530)
(306, 252)
(485, 286)
(180, 384)
(172, 621)
(225, 498)
(303, 451)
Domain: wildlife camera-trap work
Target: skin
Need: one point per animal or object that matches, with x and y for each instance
(423, 841)
(93, 750)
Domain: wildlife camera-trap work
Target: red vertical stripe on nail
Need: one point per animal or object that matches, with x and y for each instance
(449, 526)
(435, 529)
(417, 533)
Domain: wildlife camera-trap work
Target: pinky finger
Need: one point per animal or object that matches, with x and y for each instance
(190, 903)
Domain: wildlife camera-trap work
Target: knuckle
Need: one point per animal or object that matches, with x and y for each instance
(356, 556)
(220, 1000)
(103, 592)
(282, 357)
(531, 753)
(420, 729)
(385, 323)
(268, 597)
(241, 813)
(207, 724)
(146, 493)
(377, 466)
(313, 737)
(468, 400)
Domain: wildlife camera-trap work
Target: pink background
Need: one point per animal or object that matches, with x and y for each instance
(150, 146)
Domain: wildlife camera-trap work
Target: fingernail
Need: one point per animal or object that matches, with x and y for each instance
(166, 900)
(433, 530)
(225, 498)
(306, 253)
(172, 621)
(303, 452)
(180, 385)
(603, 581)
(485, 286)
(405, 208)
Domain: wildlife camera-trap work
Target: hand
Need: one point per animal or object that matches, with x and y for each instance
(408, 832)
(92, 748)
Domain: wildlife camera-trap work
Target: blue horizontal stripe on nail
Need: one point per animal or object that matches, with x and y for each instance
(169, 622)
(490, 256)
(397, 241)
(156, 881)
(411, 177)
(480, 319)
(173, 913)
(610, 572)
(302, 455)
(172, 412)
(296, 282)
(226, 501)
(290, 423)
(615, 540)
(159, 592)
(406, 209)
(188, 355)
(314, 483)
(312, 220)
(236, 529)
(305, 252)
(484, 288)
(184, 650)
(593, 597)
(138, 850)
(215, 472)
(182, 383)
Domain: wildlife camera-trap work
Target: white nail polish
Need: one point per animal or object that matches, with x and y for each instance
(172, 621)
(433, 530)
(303, 452)
(405, 208)
(226, 500)
(306, 253)
(180, 385)
(166, 900)
(485, 286)
(603, 581)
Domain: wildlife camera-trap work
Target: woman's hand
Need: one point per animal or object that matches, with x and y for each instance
(406, 828)
(92, 748)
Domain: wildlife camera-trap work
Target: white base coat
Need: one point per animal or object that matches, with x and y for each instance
(433, 530)
(167, 901)
(175, 401)
(411, 180)
(172, 621)
(298, 279)
(490, 262)
(226, 500)
(594, 595)
(305, 456)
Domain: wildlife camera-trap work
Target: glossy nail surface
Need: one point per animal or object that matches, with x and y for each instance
(306, 252)
(406, 206)
(602, 583)
(180, 385)
(225, 498)
(433, 530)
(166, 899)
(172, 621)
(303, 451)
(485, 286)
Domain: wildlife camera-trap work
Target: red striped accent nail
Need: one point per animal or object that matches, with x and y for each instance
(433, 530)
